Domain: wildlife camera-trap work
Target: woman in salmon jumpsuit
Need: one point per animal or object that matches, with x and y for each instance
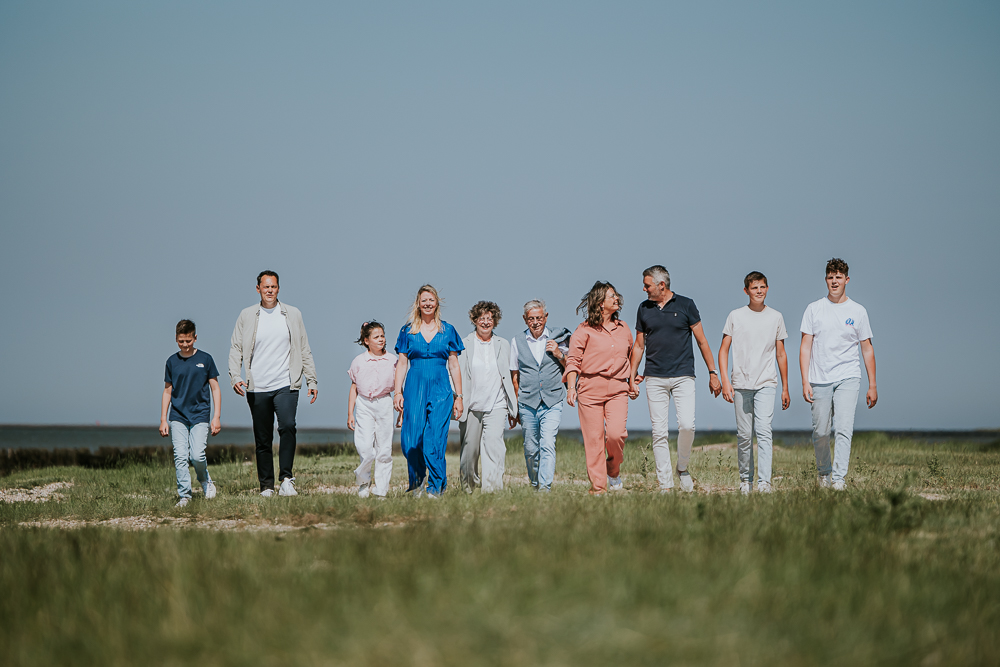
(597, 375)
(428, 350)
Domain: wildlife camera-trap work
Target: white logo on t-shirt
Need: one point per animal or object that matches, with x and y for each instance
(200, 365)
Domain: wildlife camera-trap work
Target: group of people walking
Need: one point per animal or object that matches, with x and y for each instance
(489, 384)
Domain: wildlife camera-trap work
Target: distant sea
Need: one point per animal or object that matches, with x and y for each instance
(21, 436)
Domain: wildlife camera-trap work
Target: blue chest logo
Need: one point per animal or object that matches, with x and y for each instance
(849, 322)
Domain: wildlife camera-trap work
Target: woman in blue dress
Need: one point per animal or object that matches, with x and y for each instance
(428, 352)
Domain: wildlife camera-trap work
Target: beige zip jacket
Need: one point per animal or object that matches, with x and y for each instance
(300, 362)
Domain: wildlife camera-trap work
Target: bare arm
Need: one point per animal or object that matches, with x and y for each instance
(868, 352)
(779, 353)
(456, 378)
(352, 398)
(515, 377)
(402, 363)
(637, 349)
(571, 388)
(805, 350)
(217, 400)
(714, 385)
(727, 386)
(164, 408)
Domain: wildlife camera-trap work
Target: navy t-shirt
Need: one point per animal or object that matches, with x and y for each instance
(190, 399)
(669, 353)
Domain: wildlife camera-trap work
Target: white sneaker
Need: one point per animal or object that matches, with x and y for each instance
(666, 489)
(615, 484)
(687, 484)
(764, 487)
(267, 493)
(839, 485)
(745, 488)
(418, 492)
(824, 481)
(287, 487)
(434, 496)
(363, 491)
(209, 489)
(182, 502)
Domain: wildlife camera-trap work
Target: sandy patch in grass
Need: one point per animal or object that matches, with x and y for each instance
(38, 494)
(933, 496)
(153, 523)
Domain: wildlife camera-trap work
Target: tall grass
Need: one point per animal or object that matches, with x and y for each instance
(877, 575)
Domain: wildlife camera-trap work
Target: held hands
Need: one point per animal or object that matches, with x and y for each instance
(399, 420)
(215, 427)
(397, 402)
(512, 420)
(571, 397)
(164, 428)
(457, 410)
(633, 390)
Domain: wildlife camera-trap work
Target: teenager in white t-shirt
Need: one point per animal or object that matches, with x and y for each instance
(756, 334)
(833, 329)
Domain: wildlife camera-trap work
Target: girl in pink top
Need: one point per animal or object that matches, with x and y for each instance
(369, 410)
(599, 356)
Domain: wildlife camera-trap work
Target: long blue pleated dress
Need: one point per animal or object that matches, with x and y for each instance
(427, 404)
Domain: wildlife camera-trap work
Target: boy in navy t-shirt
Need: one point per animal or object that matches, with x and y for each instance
(185, 410)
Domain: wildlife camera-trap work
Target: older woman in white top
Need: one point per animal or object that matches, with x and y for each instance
(491, 404)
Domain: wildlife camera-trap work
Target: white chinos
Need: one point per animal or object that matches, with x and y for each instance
(373, 422)
(658, 393)
(482, 434)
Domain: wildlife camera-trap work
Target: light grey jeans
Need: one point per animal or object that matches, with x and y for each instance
(834, 404)
(189, 448)
(482, 433)
(754, 411)
(658, 393)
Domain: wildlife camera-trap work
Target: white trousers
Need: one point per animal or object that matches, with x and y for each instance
(659, 391)
(482, 433)
(373, 422)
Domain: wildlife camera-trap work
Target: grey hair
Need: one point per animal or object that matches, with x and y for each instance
(531, 305)
(658, 273)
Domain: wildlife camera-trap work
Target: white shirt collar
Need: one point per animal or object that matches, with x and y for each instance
(545, 334)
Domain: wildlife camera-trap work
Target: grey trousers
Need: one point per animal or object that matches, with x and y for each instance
(482, 436)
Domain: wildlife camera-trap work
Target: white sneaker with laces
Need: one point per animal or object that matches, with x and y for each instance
(267, 493)
(839, 485)
(182, 502)
(615, 484)
(745, 488)
(209, 489)
(824, 481)
(287, 487)
(363, 491)
(764, 487)
(687, 484)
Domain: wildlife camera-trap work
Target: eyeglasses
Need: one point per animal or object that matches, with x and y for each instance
(535, 319)
(485, 320)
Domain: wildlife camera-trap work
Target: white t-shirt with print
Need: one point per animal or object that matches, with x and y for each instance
(837, 330)
(755, 337)
(272, 351)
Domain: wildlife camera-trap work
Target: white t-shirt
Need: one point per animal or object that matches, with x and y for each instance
(271, 351)
(487, 385)
(837, 330)
(755, 337)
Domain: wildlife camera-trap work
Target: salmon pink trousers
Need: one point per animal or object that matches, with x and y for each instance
(603, 410)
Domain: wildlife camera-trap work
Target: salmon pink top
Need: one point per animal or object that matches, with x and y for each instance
(598, 351)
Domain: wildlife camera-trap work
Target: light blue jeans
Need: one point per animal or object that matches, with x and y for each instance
(834, 404)
(754, 411)
(189, 446)
(540, 426)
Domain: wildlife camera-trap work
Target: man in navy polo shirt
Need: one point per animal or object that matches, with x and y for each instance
(665, 323)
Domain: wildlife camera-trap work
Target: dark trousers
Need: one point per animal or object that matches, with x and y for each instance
(264, 406)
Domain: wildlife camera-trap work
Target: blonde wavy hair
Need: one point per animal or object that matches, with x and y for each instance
(415, 319)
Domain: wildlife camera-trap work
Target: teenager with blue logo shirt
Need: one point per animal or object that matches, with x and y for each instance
(184, 411)
(833, 329)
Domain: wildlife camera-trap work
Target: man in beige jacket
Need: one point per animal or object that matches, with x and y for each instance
(270, 341)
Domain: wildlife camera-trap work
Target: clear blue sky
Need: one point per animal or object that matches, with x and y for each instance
(154, 157)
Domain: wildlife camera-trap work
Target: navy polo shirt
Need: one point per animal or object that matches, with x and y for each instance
(190, 397)
(669, 353)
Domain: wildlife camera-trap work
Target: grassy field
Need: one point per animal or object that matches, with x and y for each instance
(903, 568)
